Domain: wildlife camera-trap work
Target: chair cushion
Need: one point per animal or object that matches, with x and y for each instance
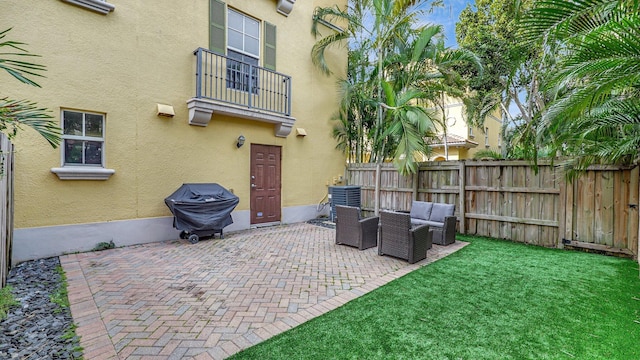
(418, 222)
(435, 224)
(440, 211)
(421, 210)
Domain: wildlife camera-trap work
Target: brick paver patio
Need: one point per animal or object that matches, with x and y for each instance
(174, 300)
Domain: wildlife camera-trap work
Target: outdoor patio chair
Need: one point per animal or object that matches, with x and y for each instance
(353, 231)
(398, 239)
(440, 217)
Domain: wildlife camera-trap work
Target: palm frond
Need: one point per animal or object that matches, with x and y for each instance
(17, 113)
(319, 48)
(19, 69)
(562, 19)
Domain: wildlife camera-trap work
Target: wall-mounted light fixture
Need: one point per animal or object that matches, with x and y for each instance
(240, 141)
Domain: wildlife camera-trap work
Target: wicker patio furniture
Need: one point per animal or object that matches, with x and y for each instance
(440, 217)
(398, 239)
(353, 231)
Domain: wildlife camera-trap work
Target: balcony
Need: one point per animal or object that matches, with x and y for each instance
(235, 88)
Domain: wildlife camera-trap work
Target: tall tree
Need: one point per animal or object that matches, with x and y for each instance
(595, 116)
(394, 67)
(357, 112)
(16, 113)
(513, 72)
(376, 27)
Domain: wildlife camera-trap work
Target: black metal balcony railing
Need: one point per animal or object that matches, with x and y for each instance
(224, 79)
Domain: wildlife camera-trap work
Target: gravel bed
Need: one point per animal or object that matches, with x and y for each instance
(35, 328)
(322, 221)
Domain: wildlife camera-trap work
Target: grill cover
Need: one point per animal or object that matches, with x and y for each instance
(201, 207)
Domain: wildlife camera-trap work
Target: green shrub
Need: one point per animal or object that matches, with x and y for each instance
(6, 301)
(487, 154)
(104, 246)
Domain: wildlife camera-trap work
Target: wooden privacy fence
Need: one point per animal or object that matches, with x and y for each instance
(509, 200)
(6, 207)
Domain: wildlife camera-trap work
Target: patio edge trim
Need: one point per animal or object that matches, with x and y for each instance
(91, 328)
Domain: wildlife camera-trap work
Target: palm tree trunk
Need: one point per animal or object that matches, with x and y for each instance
(377, 189)
(379, 158)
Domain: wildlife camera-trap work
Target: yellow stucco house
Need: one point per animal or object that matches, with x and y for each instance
(154, 94)
(463, 141)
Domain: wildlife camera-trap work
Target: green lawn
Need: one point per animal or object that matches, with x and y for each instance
(491, 300)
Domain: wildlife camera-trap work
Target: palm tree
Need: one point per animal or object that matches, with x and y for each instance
(16, 113)
(393, 65)
(425, 64)
(357, 112)
(595, 116)
(376, 27)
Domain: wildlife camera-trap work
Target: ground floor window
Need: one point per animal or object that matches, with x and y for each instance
(83, 138)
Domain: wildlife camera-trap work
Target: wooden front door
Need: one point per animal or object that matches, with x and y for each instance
(265, 184)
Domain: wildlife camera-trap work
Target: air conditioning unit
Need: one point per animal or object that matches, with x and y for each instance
(343, 195)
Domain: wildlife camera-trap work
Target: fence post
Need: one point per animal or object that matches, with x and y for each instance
(461, 197)
(376, 196)
(6, 210)
(416, 179)
(5, 251)
(635, 180)
(570, 210)
(562, 216)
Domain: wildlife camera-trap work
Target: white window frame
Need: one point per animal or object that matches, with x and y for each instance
(244, 34)
(238, 73)
(486, 137)
(82, 171)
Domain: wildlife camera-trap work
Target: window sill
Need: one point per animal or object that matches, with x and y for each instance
(101, 7)
(83, 173)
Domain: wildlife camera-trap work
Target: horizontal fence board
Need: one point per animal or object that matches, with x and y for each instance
(439, 191)
(386, 189)
(510, 219)
(513, 189)
(599, 247)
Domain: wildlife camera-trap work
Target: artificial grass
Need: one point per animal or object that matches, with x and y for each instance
(491, 300)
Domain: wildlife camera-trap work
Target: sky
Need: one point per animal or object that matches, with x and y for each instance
(448, 17)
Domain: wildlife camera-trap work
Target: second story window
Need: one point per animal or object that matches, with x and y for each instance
(83, 136)
(243, 44)
(486, 136)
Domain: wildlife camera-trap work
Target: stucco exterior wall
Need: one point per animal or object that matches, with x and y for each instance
(124, 63)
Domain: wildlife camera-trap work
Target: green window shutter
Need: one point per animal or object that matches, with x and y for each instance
(217, 28)
(269, 46)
